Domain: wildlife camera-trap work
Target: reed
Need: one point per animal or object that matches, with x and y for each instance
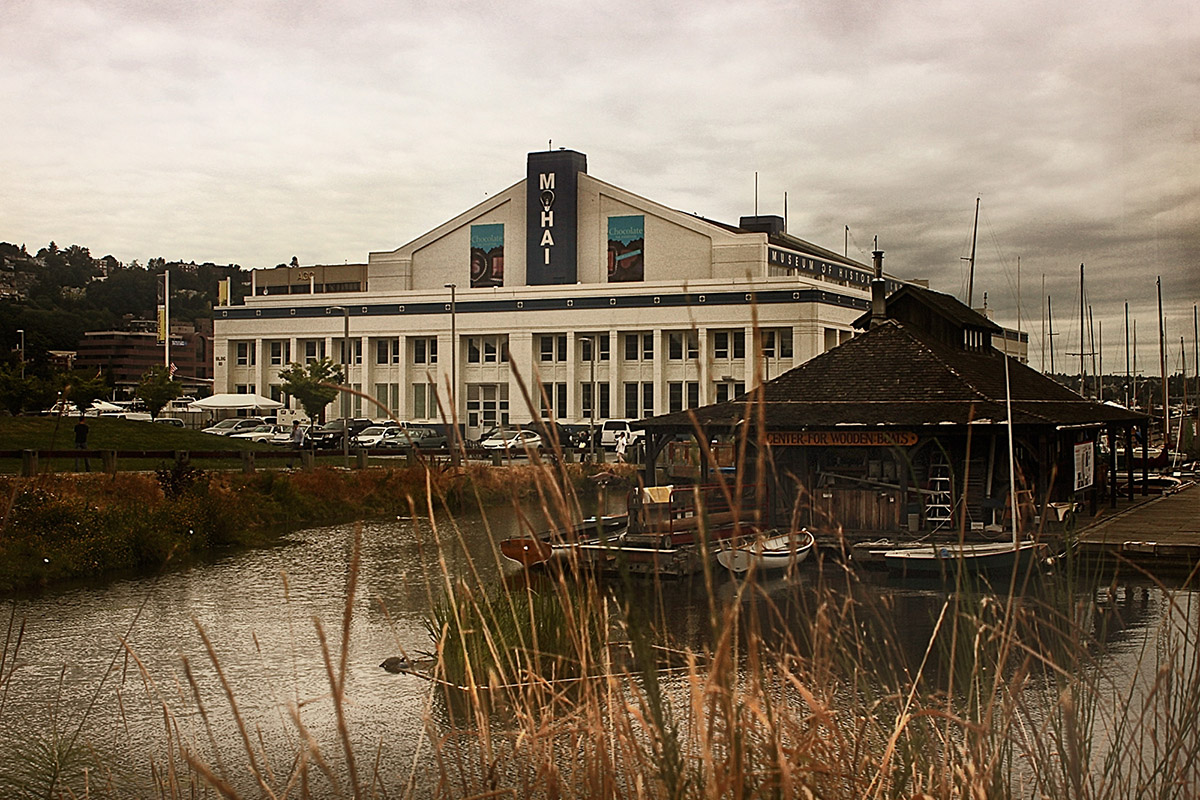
(572, 686)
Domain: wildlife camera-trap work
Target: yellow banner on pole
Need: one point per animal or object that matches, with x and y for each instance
(162, 324)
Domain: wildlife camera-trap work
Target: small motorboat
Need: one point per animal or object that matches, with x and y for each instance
(779, 552)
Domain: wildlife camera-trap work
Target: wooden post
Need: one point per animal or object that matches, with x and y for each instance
(247, 461)
(360, 459)
(497, 458)
(1114, 480)
(307, 459)
(29, 463)
(108, 459)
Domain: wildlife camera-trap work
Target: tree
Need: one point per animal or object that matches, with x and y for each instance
(19, 393)
(83, 389)
(315, 385)
(156, 389)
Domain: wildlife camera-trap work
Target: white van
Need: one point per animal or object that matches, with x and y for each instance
(610, 429)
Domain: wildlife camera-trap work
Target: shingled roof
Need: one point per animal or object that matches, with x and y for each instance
(944, 305)
(894, 376)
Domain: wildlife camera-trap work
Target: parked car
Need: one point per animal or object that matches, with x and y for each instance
(610, 429)
(427, 438)
(62, 409)
(553, 433)
(513, 442)
(329, 435)
(579, 435)
(174, 422)
(261, 433)
(233, 425)
(378, 436)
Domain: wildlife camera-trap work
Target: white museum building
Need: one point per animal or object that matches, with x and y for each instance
(587, 299)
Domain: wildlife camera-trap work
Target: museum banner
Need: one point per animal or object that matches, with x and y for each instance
(487, 256)
(626, 246)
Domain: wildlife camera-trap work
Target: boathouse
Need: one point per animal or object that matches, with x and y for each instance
(903, 428)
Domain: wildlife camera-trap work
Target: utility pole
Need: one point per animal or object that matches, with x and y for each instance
(457, 443)
(345, 378)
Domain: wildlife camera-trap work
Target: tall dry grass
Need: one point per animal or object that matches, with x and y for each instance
(573, 685)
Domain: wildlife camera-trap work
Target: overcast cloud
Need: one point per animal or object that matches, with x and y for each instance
(249, 132)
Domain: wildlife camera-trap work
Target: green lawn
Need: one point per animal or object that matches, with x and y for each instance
(58, 433)
(51, 433)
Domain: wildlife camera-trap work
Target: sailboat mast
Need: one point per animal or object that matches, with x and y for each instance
(971, 260)
(1135, 367)
(1127, 384)
(1051, 334)
(1012, 474)
(1092, 351)
(1044, 325)
(1162, 365)
(1082, 339)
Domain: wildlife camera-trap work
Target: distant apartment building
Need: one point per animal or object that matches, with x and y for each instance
(126, 355)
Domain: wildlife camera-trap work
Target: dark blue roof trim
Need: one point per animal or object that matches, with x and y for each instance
(589, 302)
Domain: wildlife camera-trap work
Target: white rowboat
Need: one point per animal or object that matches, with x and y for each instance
(779, 552)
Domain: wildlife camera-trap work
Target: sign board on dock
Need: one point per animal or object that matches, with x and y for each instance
(1085, 464)
(841, 438)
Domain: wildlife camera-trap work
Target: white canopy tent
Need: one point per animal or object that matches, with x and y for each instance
(232, 402)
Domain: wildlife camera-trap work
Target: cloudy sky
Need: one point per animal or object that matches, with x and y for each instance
(250, 131)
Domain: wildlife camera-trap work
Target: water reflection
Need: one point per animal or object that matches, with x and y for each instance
(110, 659)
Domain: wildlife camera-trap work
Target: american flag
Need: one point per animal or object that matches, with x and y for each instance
(174, 369)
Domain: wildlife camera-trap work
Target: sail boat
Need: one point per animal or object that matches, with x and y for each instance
(977, 558)
(981, 557)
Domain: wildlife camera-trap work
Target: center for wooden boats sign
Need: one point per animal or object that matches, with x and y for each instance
(841, 438)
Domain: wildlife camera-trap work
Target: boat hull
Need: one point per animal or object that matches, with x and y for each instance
(546, 548)
(950, 559)
(773, 554)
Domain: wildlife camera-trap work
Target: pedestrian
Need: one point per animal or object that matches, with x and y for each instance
(622, 443)
(297, 440)
(81, 437)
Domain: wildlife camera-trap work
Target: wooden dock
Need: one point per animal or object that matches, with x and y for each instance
(1158, 534)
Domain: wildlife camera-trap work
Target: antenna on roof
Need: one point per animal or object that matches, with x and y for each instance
(756, 193)
(785, 212)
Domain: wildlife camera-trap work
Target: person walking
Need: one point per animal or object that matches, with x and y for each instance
(297, 440)
(81, 437)
(622, 443)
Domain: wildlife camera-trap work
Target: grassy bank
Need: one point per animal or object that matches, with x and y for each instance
(62, 527)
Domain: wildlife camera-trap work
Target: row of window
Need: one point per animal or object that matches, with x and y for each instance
(487, 403)
(493, 349)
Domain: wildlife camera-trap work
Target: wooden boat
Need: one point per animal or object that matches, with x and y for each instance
(955, 558)
(779, 552)
(673, 529)
(977, 558)
(543, 548)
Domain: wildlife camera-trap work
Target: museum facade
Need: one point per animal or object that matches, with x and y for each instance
(561, 296)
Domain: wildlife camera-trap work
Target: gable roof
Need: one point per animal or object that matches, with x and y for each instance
(943, 305)
(892, 375)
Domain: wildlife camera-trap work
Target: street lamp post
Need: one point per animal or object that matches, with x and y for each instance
(453, 366)
(345, 377)
(21, 333)
(591, 340)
